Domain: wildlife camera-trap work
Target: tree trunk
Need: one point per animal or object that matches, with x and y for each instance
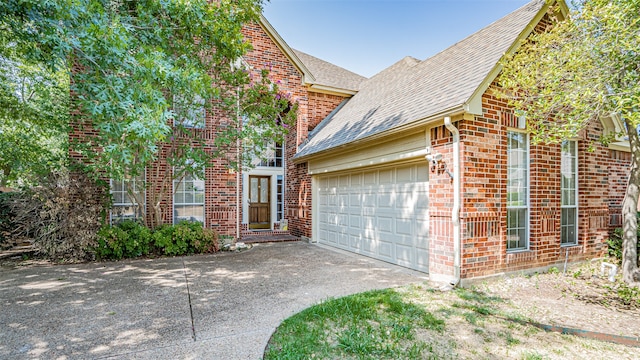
(630, 211)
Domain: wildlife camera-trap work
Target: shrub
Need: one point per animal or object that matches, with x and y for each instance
(164, 241)
(126, 239)
(185, 238)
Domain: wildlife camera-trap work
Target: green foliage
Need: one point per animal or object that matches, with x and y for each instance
(372, 325)
(6, 219)
(130, 239)
(34, 113)
(137, 68)
(126, 239)
(581, 70)
(185, 238)
(615, 244)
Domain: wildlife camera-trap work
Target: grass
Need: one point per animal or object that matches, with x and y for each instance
(377, 324)
(416, 322)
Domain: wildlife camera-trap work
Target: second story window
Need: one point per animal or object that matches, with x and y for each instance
(273, 156)
(189, 113)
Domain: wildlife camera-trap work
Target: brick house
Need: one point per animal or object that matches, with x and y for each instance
(421, 165)
(484, 201)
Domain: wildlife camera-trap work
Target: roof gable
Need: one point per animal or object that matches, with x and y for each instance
(307, 76)
(411, 91)
(331, 76)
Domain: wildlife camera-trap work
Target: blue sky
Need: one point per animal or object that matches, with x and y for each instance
(366, 36)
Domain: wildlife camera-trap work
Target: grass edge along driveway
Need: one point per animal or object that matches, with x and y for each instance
(417, 322)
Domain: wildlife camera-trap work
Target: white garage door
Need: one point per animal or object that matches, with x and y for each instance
(381, 213)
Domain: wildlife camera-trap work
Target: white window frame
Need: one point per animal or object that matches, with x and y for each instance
(193, 119)
(279, 197)
(113, 217)
(271, 156)
(574, 206)
(189, 178)
(527, 206)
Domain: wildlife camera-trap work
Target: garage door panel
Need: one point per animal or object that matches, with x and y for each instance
(405, 255)
(385, 250)
(386, 200)
(379, 213)
(355, 222)
(404, 226)
(354, 242)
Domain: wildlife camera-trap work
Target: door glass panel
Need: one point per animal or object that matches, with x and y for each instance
(264, 190)
(254, 190)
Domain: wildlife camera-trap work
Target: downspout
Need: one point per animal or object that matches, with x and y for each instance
(455, 211)
(238, 187)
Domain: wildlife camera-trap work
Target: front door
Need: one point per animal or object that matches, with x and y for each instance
(259, 202)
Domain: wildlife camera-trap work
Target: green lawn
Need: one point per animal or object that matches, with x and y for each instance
(417, 322)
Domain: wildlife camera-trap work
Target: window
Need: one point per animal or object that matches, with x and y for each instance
(124, 193)
(569, 191)
(517, 191)
(273, 156)
(189, 113)
(188, 199)
(280, 198)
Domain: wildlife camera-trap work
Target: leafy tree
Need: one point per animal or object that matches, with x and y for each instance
(584, 69)
(141, 73)
(33, 116)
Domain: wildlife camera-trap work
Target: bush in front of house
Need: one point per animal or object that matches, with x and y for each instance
(130, 239)
(185, 238)
(127, 239)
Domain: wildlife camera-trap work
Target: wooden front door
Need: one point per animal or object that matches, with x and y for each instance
(259, 202)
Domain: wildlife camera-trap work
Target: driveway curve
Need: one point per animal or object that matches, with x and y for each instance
(220, 306)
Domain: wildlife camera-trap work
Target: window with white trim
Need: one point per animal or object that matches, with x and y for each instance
(280, 197)
(189, 113)
(188, 199)
(569, 192)
(124, 194)
(517, 191)
(272, 157)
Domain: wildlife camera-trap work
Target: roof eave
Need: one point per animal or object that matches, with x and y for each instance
(307, 76)
(457, 110)
(326, 89)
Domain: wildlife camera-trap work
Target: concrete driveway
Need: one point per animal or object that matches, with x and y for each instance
(221, 306)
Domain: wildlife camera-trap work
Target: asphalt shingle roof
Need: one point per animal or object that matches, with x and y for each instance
(411, 90)
(329, 74)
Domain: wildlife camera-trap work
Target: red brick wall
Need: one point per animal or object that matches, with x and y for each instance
(618, 179)
(320, 105)
(441, 255)
(266, 54)
(484, 163)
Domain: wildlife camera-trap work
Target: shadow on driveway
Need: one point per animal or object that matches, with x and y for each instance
(221, 306)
